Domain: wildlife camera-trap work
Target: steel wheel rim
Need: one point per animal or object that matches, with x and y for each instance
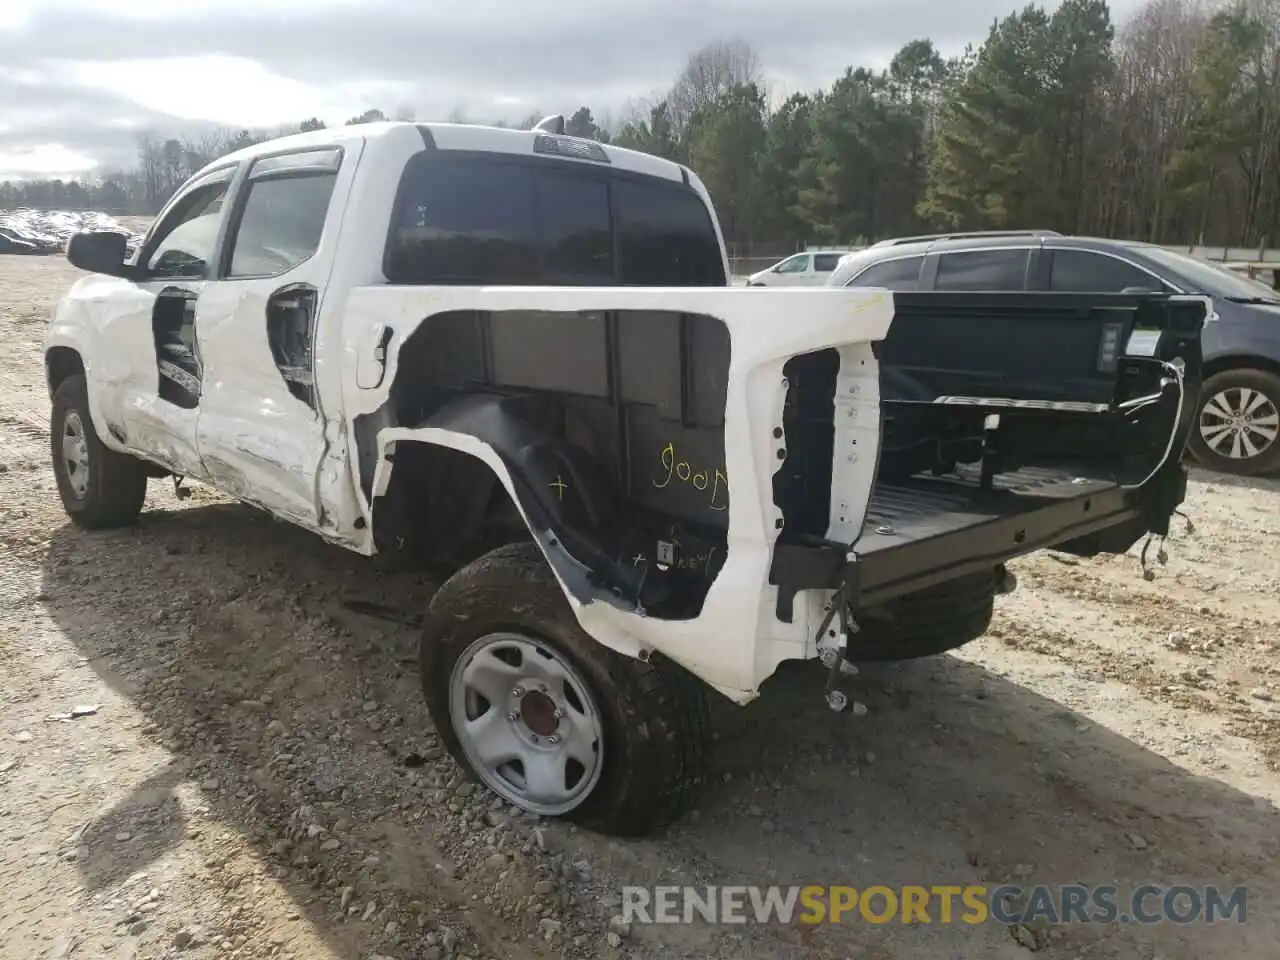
(1239, 423)
(75, 454)
(527, 723)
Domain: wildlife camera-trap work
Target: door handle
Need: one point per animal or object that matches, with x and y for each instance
(371, 366)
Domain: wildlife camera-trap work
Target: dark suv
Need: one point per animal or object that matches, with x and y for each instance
(1239, 417)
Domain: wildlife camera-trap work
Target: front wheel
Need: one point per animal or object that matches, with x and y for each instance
(100, 488)
(545, 716)
(1237, 430)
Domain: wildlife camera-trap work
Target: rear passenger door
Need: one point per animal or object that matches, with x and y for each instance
(262, 427)
(1001, 269)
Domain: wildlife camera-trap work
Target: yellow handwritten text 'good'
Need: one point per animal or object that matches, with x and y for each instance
(701, 480)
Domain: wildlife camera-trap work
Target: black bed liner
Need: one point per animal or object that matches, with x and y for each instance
(1085, 453)
(926, 530)
(953, 518)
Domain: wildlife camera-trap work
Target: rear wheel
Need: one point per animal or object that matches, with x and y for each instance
(545, 716)
(1237, 430)
(100, 488)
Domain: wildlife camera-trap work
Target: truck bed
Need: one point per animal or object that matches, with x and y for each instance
(929, 529)
(1009, 423)
(921, 437)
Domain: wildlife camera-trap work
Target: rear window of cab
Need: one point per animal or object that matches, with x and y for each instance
(480, 218)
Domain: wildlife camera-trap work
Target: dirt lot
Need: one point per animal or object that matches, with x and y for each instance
(253, 773)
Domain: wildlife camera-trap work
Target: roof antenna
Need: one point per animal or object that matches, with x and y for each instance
(551, 124)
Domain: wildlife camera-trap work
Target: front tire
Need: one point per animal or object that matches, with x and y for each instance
(100, 488)
(545, 716)
(1237, 428)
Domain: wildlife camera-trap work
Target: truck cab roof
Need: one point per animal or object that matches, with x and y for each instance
(459, 136)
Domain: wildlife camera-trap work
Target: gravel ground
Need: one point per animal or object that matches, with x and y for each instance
(202, 754)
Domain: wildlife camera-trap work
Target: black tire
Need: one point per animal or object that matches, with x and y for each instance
(117, 483)
(1229, 381)
(932, 621)
(656, 727)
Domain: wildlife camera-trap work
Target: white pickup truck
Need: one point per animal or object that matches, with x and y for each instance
(517, 354)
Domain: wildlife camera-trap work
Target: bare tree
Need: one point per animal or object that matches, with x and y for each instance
(1151, 103)
(151, 172)
(711, 72)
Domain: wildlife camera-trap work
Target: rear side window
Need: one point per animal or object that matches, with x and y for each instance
(1080, 271)
(983, 270)
(891, 274)
(826, 262)
(468, 219)
(281, 224)
(465, 224)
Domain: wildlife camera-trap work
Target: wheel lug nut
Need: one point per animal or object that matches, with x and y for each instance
(518, 692)
(534, 738)
(553, 739)
(558, 714)
(513, 716)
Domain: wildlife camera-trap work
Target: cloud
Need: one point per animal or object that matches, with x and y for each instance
(49, 125)
(83, 76)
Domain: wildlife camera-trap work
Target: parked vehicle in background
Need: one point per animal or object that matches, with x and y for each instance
(808, 269)
(1238, 421)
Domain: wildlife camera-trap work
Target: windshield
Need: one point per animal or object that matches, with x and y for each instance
(1210, 278)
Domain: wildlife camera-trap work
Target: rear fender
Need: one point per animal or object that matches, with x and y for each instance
(463, 401)
(483, 430)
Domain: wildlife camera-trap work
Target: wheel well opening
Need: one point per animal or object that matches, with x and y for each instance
(443, 508)
(1222, 364)
(61, 363)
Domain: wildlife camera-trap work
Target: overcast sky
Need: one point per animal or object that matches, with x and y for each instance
(80, 78)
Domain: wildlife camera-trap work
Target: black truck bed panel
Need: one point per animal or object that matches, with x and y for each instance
(925, 507)
(949, 526)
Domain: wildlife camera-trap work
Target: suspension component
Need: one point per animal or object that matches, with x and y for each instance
(834, 657)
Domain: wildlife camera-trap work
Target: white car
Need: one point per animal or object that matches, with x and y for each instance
(515, 356)
(809, 269)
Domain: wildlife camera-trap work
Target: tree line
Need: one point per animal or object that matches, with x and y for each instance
(1166, 129)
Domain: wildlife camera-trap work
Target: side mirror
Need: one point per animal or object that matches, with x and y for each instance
(99, 252)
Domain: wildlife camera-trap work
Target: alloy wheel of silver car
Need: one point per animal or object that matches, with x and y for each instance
(75, 454)
(527, 723)
(1239, 423)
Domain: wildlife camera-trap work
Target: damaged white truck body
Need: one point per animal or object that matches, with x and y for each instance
(516, 355)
